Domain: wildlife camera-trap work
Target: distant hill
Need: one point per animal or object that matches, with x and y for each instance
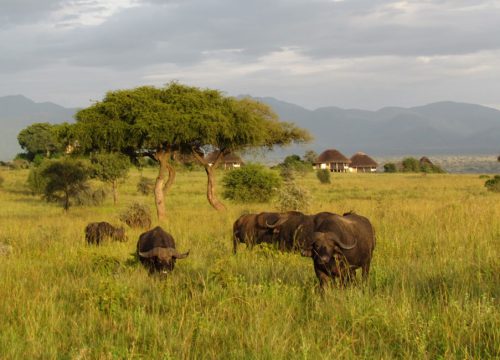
(17, 112)
(437, 128)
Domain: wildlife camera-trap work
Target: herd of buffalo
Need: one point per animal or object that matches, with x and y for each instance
(338, 244)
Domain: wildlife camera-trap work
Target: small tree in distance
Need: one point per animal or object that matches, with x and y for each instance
(65, 179)
(110, 168)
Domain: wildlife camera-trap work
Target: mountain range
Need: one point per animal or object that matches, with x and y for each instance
(437, 128)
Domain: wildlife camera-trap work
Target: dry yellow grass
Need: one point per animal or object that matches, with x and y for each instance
(433, 293)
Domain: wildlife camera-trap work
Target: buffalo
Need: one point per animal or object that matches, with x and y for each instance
(340, 245)
(97, 232)
(289, 231)
(156, 250)
(253, 229)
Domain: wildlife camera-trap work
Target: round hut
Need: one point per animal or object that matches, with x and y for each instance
(360, 162)
(229, 161)
(332, 160)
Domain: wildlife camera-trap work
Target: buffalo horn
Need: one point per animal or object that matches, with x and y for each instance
(344, 246)
(278, 222)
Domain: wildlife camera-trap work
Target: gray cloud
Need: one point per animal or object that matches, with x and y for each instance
(157, 40)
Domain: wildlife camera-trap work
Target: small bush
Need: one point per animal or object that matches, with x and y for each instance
(390, 168)
(324, 176)
(18, 164)
(90, 197)
(484, 176)
(252, 183)
(1, 180)
(137, 216)
(431, 168)
(145, 186)
(493, 184)
(293, 197)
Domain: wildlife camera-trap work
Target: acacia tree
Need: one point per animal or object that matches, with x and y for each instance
(241, 124)
(136, 123)
(39, 138)
(109, 168)
(161, 122)
(64, 179)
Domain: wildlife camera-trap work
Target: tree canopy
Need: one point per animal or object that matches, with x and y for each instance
(109, 168)
(161, 122)
(39, 138)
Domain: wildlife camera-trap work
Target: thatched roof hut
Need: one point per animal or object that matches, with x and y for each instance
(360, 162)
(333, 160)
(424, 160)
(228, 161)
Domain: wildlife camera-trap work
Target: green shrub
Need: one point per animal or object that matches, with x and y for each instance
(431, 168)
(137, 216)
(251, 183)
(484, 176)
(293, 197)
(145, 186)
(1, 180)
(411, 164)
(493, 184)
(293, 163)
(390, 168)
(324, 176)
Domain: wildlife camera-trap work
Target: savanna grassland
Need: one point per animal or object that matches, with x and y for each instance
(434, 290)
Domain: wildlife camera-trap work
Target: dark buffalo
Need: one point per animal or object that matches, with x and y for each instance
(340, 245)
(156, 250)
(294, 230)
(97, 232)
(253, 229)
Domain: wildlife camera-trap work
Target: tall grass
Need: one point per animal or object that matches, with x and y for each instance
(433, 293)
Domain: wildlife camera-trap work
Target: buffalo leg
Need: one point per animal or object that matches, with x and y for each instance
(365, 271)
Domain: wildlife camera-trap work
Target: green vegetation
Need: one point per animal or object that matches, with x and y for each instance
(42, 140)
(390, 168)
(293, 163)
(493, 184)
(251, 183)
(163, 122)
(292, 196)
(137, 216)
(433, 293)
(63, 180)
(145, 186)
(110, 168)
(324, 176)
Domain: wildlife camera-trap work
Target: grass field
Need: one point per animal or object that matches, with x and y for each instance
(434, 290)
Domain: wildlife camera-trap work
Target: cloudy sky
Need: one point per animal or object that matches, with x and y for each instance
(348, 53)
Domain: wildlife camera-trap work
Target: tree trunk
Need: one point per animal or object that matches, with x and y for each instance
(210, 170)
(171, 177)
(66, 201)
(212, 199)
(115, 192)
(161, 181)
